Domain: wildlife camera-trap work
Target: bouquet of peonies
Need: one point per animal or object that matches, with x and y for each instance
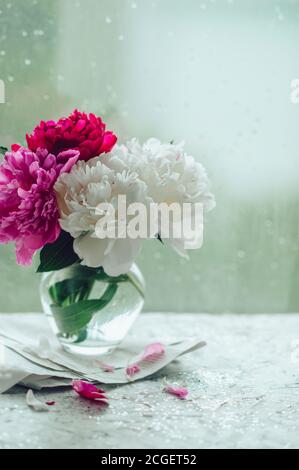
(85, 201)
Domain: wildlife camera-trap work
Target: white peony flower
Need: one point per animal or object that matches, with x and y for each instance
(170, 174)
(79, 194)
(150, 173)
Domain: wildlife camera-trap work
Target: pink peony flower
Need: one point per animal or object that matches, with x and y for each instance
(89, 391)
(79, 131)
(28, 208)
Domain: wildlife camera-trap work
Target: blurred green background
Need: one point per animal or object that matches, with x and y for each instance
(216, 74)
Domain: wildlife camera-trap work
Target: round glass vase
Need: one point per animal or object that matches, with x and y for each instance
(90, 312)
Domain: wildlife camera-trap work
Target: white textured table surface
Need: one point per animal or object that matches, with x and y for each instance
(244, 393)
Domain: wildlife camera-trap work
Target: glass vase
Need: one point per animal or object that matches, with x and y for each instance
(89, 311)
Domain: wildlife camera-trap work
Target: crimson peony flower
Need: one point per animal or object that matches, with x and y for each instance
(28, 207)
(79, 131)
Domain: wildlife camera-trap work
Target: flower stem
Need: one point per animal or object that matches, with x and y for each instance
(136, 284)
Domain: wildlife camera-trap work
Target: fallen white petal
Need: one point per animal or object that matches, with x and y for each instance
(34, 403)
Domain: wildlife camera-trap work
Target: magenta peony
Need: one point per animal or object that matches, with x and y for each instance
(28, 208)
(79, 131)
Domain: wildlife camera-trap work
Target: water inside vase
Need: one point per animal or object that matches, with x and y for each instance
(107, 327)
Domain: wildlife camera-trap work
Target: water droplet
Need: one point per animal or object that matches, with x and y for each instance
(108, 20)
(38, 32)
(279, 13)
(27, 62)
(282, 241)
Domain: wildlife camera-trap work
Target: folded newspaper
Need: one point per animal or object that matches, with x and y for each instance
(30, 355)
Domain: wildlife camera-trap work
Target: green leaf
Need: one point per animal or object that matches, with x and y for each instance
(79, 271)
(82, 335)
(98, 274)
(3, 150)
(69, 291)
(74, 317)
(58, 255)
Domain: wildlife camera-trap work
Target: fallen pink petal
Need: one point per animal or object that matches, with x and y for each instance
(89, 391)
(153, 352)
(179, 392)
(132, 370)
(106, 367)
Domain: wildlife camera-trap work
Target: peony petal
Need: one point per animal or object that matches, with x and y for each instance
(15, 147)
(132, 370)
(179, 392)
(70, 157)
(89, 391)
(80, 125)
(50, 162)
(121, 258)
(153, 352)
(106, 367)
(34, 403)
(91, 250)
(108, 142)
(23, 253)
